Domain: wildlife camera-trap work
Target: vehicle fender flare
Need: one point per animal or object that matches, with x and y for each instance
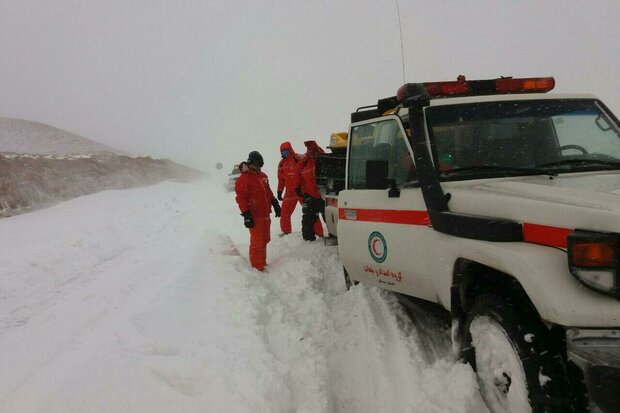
(471, 278)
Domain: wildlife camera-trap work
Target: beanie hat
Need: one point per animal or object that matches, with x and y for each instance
(256, 159)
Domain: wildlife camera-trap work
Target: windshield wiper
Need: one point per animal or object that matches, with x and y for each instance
(582, 162)
(499, 168)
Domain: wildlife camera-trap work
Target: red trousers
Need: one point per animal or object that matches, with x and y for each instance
(260, 235)
(288, 206)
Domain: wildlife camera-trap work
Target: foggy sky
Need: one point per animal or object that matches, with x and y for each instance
(207, 81)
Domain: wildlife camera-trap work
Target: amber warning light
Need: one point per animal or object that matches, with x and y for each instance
(593, 254)
(593, 259)
(463, 87)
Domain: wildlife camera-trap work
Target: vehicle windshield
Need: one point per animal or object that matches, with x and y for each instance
(511, 138)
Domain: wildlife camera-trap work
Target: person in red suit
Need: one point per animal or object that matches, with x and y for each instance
(255, 200)
(307, 188)
(286, 181)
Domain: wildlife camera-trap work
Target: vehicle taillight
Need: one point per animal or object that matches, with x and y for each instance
(463, 87)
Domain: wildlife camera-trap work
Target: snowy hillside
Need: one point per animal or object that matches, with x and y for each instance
(29, 182)
(41, 165)
(22, 136)
(143, 301)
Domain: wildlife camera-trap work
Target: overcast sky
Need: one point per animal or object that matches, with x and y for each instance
(201, 81)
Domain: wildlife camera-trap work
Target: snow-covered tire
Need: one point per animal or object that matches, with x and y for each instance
(519, 365)
(347, 279)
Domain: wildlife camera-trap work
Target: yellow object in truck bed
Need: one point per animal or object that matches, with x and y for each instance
(338, 141)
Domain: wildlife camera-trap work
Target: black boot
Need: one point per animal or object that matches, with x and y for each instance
(307, 223)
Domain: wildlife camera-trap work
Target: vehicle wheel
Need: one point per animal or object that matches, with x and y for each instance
(347, 279)
(518, 364)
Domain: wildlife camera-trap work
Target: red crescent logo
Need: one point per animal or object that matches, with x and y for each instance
(374, 247)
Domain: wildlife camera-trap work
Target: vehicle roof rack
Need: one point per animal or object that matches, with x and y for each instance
(383, 105)
(363, 113)
(373, 111)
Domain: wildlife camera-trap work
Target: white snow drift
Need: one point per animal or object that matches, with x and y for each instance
(143, 301)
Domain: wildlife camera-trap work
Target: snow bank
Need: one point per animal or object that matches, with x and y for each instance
(143, 300)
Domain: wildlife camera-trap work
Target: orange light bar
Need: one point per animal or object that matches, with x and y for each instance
(464, 87)
(446, 88)
(526, 85)
(593, 254)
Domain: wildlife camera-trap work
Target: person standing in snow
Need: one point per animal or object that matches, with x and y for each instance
(286, 180)
(307, 188)
(255, 200)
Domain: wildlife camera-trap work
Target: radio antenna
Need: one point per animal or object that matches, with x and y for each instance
(402, 50)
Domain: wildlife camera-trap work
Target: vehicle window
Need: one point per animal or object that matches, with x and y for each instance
(403, 170)
(577, 129)
(382, 140)
(483, 138)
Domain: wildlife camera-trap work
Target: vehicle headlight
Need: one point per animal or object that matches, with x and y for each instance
(593, 259)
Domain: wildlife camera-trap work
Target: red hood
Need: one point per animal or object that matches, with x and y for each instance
(287, 145)
(313, 148)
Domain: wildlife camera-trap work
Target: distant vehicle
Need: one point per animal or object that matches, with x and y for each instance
(232, 178)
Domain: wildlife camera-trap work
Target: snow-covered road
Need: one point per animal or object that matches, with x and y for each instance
(143, 301)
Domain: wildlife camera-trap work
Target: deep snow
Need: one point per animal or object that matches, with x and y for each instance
(142, 300)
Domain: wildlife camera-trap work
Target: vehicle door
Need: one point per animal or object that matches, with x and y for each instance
(381, 230)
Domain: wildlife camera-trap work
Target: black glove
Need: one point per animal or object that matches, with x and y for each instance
(298, 191)
(308, 200)
(248, 221)
(276, 207)
(279, 195)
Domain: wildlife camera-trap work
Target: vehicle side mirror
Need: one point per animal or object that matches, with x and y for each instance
(377, 174)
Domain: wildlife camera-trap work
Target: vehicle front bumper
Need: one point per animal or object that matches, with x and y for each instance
(597, 353)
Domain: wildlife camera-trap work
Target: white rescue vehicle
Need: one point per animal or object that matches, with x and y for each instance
(500, 203)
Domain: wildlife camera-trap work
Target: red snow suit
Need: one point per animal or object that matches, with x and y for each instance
(287, 180)
(306, 178)
(254, 195)
(306, 181)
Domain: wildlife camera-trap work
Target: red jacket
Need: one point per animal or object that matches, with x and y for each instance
(253, 192)
(306, 177)
(286, 170)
